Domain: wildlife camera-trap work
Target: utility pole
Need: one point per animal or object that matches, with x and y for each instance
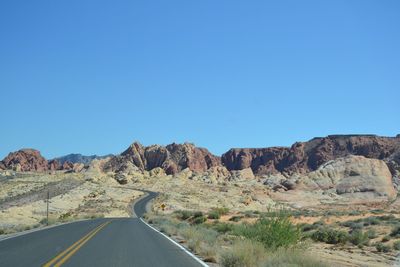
(47, 211)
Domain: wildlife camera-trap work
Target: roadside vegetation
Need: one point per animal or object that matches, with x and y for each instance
(272, 240)
(253, 238)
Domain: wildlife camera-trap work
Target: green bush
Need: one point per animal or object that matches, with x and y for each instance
(197, 214)
(386, 218)
(222, 227)
(183, 214)
(272, 232)
(385, 238)
(357, 237)
(382, 248)
(330, 236)
(396, 245)
(395, 232)
(371, 234)
(308, 227)
(214, 215)
(221, 211)
(199, 219)
(371, 221)
(65, 217)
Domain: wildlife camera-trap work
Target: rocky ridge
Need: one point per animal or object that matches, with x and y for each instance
(304, 157)
(172, 159)
(26, 160)
(79, 158)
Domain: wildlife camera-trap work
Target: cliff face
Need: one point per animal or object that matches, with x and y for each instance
(172, 158)
(304, 157)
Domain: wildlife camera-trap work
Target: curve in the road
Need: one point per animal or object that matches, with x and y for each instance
(99, 242)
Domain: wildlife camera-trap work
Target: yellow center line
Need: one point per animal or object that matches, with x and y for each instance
(78, 244)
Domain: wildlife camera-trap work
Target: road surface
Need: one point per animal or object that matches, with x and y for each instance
(100, 242)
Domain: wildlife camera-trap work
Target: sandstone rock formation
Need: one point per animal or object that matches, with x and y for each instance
(31, 160)
(172, 158)
(26, 160)
(352, 174)
(245, 174)
(303, 157)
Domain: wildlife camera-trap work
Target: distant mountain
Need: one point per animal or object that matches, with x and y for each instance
(79, 158)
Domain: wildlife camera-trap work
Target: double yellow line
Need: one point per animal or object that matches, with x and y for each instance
(66, 254)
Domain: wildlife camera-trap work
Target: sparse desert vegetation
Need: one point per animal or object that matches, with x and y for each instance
(229, 244)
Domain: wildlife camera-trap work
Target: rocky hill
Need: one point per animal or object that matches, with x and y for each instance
(304, 157)
(172, 158)
(79, 158)
(26, 160)
(301, 158)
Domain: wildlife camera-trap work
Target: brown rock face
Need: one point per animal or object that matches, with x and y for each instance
(308, 156)
(26, 160)
(31, 160)
(54, 165)
(172, 158)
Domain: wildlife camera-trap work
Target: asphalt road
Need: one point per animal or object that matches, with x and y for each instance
(98, 242)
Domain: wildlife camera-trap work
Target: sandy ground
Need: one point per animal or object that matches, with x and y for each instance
(72, 196)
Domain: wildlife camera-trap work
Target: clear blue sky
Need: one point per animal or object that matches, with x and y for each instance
(93, 76)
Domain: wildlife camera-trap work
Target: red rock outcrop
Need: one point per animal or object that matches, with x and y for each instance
(54, 165)
(304, 157)
(31, 160)
(26, 160)
(171, 158)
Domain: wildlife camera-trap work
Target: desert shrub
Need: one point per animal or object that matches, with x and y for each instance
(396, 245)
(222, 227)
(386, 218)
(395, 232)
(201, 240)
(65, 217)
(199, 219)
(377, 211)
(330, 236)
(371, 234)
(214, 215)
(355, 212)
(197, 214)
(96, 215)
(292, 258)
(235, 218)
(183, 214)
(52, 220)
(2, 232)
(308, 227)
(221, 210)
(319, 223)
(371, 221)
(356, 226)
(357, 237)
(244, 253)
(382, 248)
(386, 238)
(272, 232)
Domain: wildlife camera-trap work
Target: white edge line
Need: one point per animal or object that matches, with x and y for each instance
(177, 244)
